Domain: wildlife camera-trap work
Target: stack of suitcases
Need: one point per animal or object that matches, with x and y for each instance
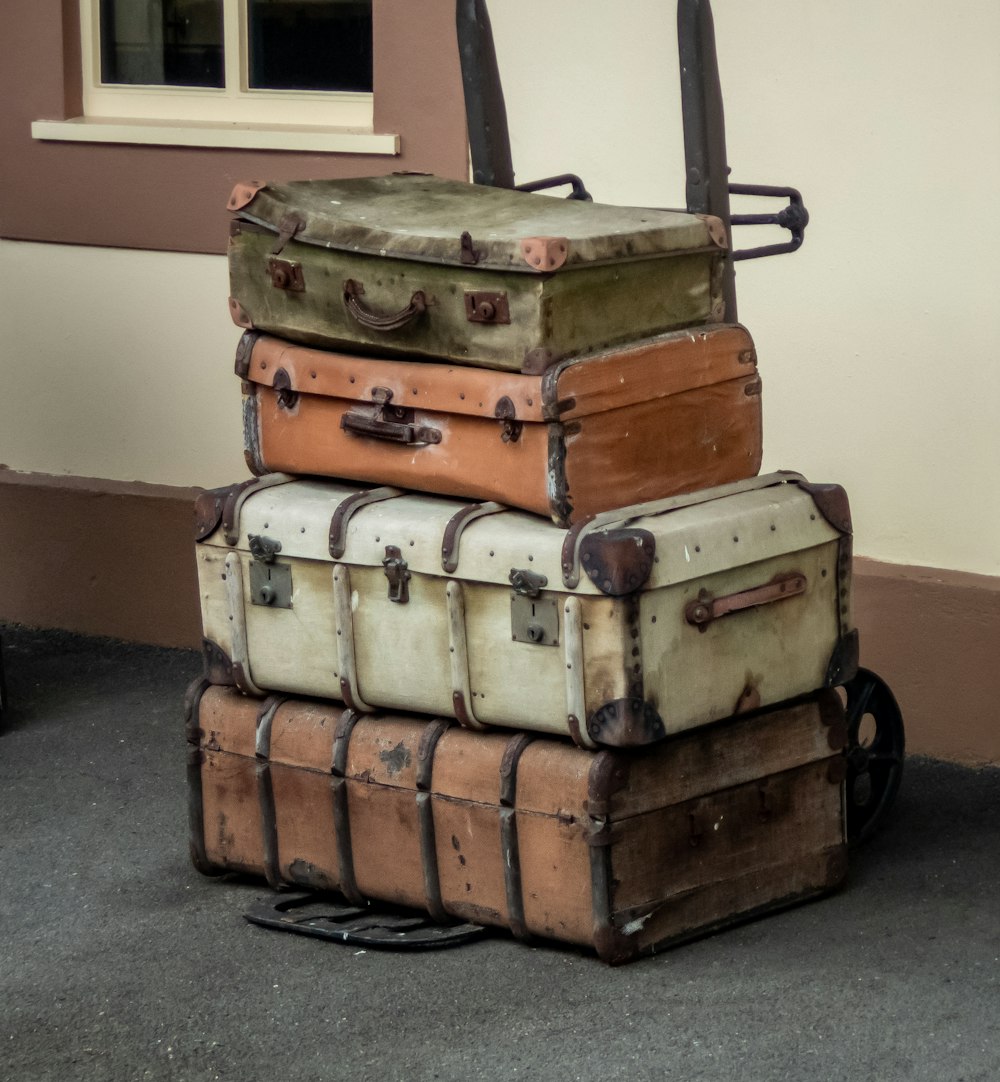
(507, 628)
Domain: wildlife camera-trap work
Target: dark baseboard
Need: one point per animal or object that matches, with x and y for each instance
(117, 559)
(934, 636)
(99, 557)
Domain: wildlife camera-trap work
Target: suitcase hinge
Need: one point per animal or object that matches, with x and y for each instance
(287, 398)
(398, 574)
(288, 227)
(467, 254)
(506, 413)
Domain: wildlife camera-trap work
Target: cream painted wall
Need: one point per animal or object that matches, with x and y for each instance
(878, 341)
(118, 364)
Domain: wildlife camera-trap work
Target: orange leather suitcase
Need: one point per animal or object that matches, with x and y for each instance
(621, 852)
(671, 414)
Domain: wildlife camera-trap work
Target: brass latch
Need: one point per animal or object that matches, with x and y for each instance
(527, 583)
(533, 618)
(398, 575)
(270, 582)
(263, 548)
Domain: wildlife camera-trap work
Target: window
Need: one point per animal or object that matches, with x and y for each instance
(124, 181)
(250, 61)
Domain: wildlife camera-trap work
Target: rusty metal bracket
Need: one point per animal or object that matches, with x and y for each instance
(623, 723)
(618, 561)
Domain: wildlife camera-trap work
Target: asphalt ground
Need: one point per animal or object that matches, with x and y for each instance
(121, 962)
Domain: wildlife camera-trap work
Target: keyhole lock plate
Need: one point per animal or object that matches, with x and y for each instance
(286, 274)
(534, 620)
(487, 307)
(270, 584)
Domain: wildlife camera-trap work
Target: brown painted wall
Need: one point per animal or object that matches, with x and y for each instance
(934, 636)
(173, 198)
(109, 558)
(99, 557)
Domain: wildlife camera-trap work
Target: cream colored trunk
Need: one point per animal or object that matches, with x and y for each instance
(468, 644)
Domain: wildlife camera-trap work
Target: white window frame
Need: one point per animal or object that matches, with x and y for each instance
(234, 116)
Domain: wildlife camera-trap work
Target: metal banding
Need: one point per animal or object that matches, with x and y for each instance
(195, 760)
(576, 705)
(344, 620)
(456, 524)
(458, 657)
(512, 872)
(341, 816)
(425, 817)
(425, 751)
(238, 495)
(508, 768)
(508, 834)
(238, 624)
(428, 857)
(347, 508)
(265, 789)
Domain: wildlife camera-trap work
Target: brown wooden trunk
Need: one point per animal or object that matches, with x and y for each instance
(615, 851)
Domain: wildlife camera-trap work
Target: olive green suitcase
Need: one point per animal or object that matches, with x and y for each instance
(413, 265)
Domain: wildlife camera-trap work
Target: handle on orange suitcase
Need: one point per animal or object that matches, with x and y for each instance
(374, 321)
(384, 421)
(705, 609)
(363, 424)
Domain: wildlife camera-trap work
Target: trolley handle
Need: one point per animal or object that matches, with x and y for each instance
(794, 218)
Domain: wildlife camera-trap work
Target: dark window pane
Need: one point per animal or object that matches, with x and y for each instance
(162, 42)
(310, 44)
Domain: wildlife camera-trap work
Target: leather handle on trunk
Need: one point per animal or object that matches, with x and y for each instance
(705, 609)
(374, 321)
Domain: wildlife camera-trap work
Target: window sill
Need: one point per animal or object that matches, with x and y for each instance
(301, 137)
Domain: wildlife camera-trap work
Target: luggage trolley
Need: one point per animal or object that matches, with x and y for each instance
(876, 737)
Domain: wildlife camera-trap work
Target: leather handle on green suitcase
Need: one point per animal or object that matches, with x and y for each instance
(374, 321)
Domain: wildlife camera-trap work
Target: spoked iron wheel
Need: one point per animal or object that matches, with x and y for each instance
(875, 749)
